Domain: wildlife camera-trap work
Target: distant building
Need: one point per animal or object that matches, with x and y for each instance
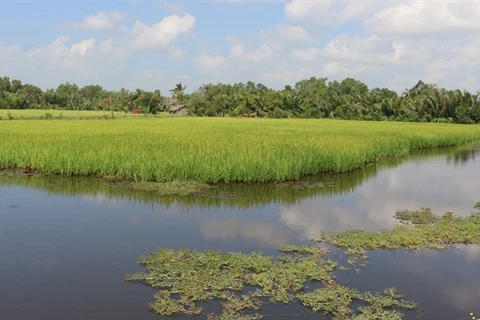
(178, 109)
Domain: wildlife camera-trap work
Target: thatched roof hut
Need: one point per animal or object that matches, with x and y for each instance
(178, 109)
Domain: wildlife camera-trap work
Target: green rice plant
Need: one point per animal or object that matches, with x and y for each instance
(35, 114)
(211, 150)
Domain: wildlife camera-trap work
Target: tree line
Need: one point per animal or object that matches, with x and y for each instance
(309, 98)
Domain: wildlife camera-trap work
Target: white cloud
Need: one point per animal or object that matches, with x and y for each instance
(99, 60)
(285, 74)
(368, 49)
(173, 7)
(211, 62)
(262, 53)
(176, 54)
(387, 52)
(330, 12)
(83, 46)
(154, 73)
(161, 34)
(88, 48)
(100, 22)
(376, 60)
(9, 51)
(305, 54)
(471, 51)
(425, 18)
(82, 62)
(292, 33)
(342, 70)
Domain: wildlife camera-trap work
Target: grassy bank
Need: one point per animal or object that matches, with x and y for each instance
(212, 149)
(38, 114)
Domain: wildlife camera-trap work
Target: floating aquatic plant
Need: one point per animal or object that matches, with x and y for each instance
(419, 229)
(244, 281)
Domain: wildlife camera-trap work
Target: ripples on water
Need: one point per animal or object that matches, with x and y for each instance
(66, 243)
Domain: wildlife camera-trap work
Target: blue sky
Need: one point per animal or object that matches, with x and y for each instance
(155, 44)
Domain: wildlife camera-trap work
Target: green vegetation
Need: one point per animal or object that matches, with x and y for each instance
(234, 195)
(185, 277)
(418, 230)
(34, 114)
(299, 274)
(231, 195)
(166, 188)
(213, 150)
(311, 98)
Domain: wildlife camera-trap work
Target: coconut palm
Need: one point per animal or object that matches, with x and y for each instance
(178, 92)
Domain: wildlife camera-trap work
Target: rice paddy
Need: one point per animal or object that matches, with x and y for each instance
(211, 150)
(38, 114)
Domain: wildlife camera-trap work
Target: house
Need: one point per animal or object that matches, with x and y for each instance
(178, 109)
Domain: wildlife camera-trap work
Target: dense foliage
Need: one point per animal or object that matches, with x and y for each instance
(311, 98)
(15, 95)
(214, 149)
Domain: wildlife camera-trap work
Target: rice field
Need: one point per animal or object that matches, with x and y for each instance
(213, 149)
(14, 114)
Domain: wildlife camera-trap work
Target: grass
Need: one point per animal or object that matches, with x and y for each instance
(213, 150)
(232, 195)
(242, 282)
(40, 114)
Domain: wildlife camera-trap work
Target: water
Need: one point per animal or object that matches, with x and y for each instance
(66, 243)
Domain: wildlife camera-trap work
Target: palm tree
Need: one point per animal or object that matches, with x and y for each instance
(177, 92)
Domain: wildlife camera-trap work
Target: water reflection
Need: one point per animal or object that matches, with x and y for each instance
(463, 157)
(445, 284)
(79, 236)
(244, 196)
(270, 234)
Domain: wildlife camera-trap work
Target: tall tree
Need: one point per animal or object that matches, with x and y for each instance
(178, 92)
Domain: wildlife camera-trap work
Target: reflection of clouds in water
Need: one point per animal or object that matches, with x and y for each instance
(102, 199)
(106, 200)
(460, 288)
(132, 218)
(264, 233)
(470, 254)
(463, 296)
(312, 218)
(171, 211)
(372, 206)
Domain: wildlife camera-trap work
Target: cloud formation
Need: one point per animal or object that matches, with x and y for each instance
(382, 43)
(102, 21)
(161, 34)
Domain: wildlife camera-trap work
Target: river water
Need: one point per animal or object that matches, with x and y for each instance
(66, 243)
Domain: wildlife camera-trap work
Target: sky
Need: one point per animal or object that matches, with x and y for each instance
(156, 44)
